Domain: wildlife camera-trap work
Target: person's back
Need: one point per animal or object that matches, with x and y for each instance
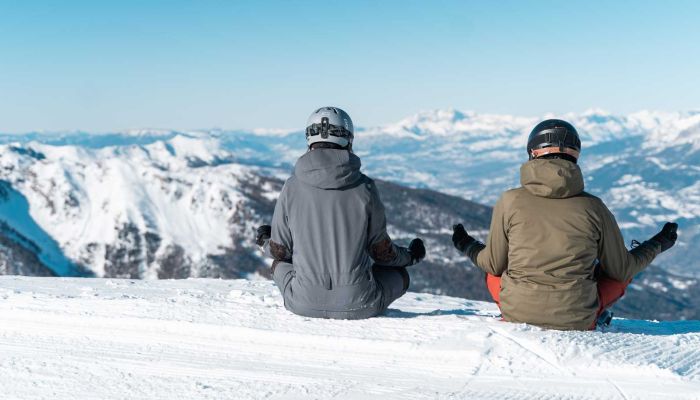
(328, 231)
(555, 256)
(554, 229)
(326, 205)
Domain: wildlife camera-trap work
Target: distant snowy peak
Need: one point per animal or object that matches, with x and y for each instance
(661, 129)
(595, 126)
(453, 123)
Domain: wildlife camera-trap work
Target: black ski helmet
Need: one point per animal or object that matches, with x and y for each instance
(553, 136)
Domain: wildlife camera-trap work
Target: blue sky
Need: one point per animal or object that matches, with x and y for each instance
(101, 66)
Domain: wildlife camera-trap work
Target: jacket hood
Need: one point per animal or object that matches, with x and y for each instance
(551, 178)
(328, 168)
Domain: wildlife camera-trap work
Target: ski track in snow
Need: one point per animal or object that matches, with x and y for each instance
(215, 339)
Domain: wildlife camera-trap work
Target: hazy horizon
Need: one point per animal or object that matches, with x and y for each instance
(359, 125)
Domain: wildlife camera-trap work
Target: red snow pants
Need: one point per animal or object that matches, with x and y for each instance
(609, 291)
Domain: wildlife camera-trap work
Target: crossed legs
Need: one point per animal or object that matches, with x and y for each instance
(609, 291)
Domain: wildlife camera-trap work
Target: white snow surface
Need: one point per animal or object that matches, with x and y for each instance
(68, 338)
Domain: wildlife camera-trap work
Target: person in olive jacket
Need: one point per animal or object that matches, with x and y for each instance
(555, 256)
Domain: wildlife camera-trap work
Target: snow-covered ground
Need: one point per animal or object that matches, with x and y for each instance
(215, 339)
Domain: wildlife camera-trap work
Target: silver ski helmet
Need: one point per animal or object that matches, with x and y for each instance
(331, 125)
(553, 136)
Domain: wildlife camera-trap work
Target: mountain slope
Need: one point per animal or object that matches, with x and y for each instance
(214, 339)
(166, 209)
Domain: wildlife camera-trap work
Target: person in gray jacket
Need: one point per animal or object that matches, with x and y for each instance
(332, 255)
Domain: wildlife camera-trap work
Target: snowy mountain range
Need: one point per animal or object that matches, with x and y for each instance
(170, 204)
(174, 208)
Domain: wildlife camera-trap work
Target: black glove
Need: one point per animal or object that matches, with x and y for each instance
(417, 250)
(263, 233)
(461, 238)
(667, 237)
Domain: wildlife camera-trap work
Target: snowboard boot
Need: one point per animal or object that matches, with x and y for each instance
(605, 319)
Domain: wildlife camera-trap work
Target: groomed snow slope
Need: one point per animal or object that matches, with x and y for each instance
(213, 339)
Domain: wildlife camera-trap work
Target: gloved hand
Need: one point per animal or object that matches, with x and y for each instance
(461, 238)
(417, 250)
(667, 237)
(263, 233)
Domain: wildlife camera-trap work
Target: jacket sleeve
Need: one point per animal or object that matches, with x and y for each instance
(281, 246)
(616, 261)
(380, 246)
(492, 258)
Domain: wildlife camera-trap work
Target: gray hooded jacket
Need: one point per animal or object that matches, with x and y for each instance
(329, 223)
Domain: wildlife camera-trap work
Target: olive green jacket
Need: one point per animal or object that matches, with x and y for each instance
(545, 240)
